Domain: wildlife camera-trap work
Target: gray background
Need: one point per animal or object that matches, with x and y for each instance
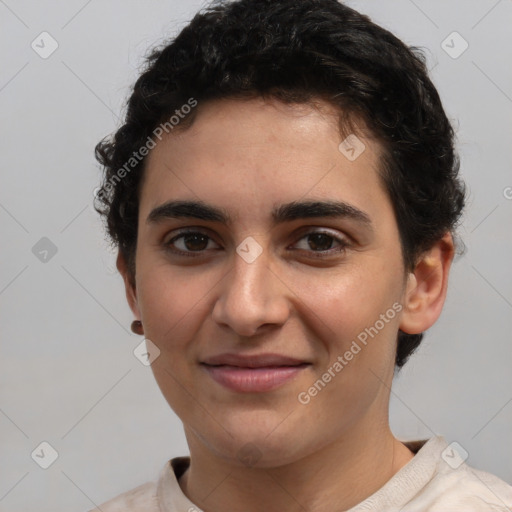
(68, 375)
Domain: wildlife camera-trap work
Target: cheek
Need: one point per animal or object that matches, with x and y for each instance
(174, 305)
(172, 301)
(347, 304)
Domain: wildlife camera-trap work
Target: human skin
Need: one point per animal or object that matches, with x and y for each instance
(248, 156)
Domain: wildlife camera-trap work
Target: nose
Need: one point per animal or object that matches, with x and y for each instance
(252, 296)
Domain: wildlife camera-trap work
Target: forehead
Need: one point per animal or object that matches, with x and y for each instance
(256, 154)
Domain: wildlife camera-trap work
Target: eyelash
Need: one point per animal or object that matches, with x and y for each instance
(343, 244)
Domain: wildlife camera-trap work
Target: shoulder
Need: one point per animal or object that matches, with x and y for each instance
(143, 497)
(438, 479)
(466, 488)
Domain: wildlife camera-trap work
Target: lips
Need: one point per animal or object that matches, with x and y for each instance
(253, 374)
(254, 361)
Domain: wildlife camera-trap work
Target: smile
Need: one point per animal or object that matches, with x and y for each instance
(253, 380)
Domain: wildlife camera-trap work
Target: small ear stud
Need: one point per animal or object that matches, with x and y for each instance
(137, 327)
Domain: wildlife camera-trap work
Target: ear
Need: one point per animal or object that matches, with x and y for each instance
(129, 284)
(427, 286)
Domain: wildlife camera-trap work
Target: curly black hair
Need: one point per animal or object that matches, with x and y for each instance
(296, 52)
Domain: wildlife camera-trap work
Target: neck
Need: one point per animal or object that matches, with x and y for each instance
(337, 477)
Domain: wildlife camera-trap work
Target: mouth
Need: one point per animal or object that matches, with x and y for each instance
(253, 374)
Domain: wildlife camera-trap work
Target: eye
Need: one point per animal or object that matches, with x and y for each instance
(320, 244)
(189, 242)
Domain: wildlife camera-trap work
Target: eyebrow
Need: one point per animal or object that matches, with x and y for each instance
(287, 212)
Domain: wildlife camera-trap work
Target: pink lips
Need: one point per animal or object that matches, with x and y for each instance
(251, 374)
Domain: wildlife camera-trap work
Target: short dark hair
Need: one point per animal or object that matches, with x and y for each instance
(298, 52)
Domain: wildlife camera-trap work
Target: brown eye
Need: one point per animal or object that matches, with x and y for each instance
(320, 241)
(190, 242)
(320, 244)
(195, 242)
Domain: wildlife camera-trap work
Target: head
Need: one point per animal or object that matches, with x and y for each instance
(282, 118)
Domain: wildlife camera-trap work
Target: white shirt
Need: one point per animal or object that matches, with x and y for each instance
(435, 480)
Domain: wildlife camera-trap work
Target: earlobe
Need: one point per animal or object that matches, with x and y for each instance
(427, 287)
(129, 284)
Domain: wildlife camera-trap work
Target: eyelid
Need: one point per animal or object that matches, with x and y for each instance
(185, 231)
(182, 232)
(343, 240)
(306, 230)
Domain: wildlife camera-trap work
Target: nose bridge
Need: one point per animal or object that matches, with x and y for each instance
(251, 266)
(249, 296)
(250, 282)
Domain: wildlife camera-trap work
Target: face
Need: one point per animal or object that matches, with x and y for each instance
(304, 283)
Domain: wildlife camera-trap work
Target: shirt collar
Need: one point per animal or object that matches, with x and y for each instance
(419, 470)
(170, 495)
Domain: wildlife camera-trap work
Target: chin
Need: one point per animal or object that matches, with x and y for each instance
(254, 447)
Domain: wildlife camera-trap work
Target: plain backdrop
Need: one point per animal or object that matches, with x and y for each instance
(68, 374)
